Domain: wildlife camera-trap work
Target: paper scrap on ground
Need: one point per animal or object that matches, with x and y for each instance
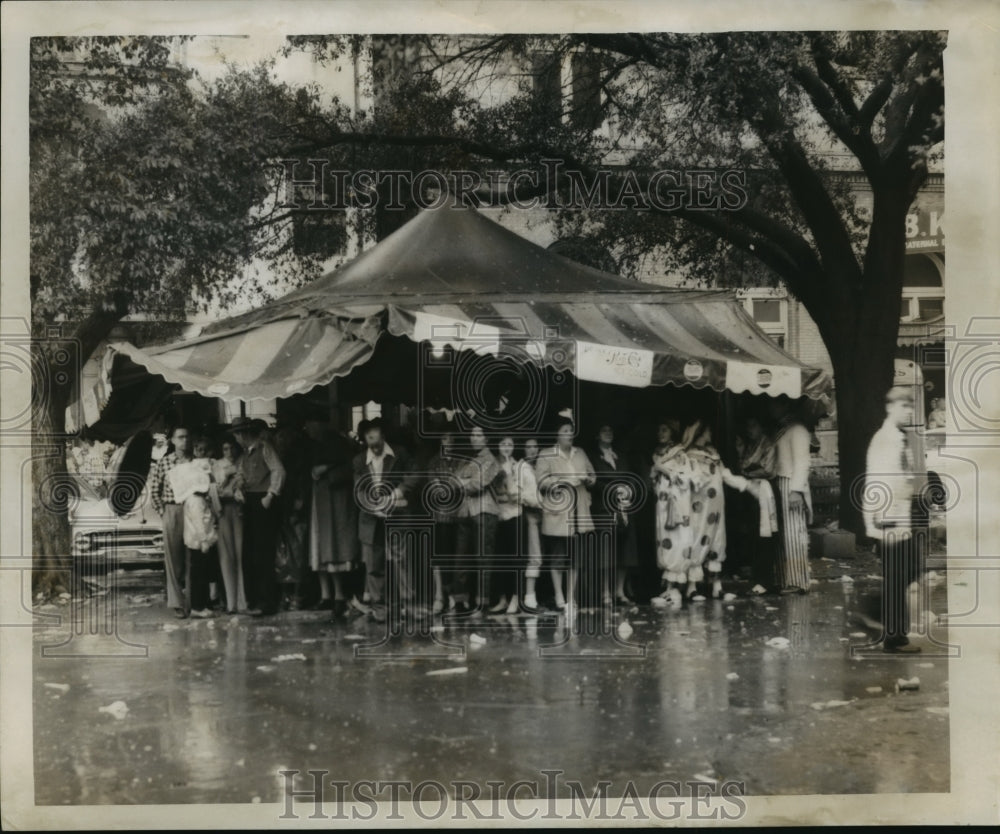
(454, 670)
(281, 658)
(903, 684)
(829, 704)
(778, 643)
(732, 676)
(116, 709)
(62, 687)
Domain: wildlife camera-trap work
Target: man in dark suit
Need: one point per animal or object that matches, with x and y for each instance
(384, 483)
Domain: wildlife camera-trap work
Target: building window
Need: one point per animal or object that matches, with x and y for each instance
(586, 107)
(767, 310)
(546, 71)
(929, 308)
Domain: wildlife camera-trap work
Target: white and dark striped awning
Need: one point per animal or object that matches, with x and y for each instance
(453, 277)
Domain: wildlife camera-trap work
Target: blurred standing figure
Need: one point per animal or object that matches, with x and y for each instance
(383, 483)
(793, 498)
(518, 492)
(532, 517)
(754, 512)
(444, 497)
(225, 471)
(613, 504)
(671, 478)
(192, 485)
(708, 509)
(333, 520)
(564, 474)
(293, 450)
(897, 524)
(172, 513)
(477, 521)
(261, 478)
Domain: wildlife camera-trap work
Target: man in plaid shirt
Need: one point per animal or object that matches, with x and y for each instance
(172, 513)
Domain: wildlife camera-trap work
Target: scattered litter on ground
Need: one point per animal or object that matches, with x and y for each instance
(846, 578)
(838, 608)
(281, 658)
(309, 640)
(354, 637)
(625, 630)
(116, 709)
(454, 670)
(904, 685)
(778, 643)
(170, 627)
(728, 597)
(732, 676)
(858, 634)
(62, 687)
(773, 739)
(704, 777)
(241, 762)
(770, 608)
(938, 710)
(477, 640)
(265, 668)
(437, 627)
(829, 704)
(640, 622)
(874, 690)
(925, 665)
(873, 576)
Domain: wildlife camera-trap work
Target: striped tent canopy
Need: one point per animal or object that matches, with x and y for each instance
(452, 277)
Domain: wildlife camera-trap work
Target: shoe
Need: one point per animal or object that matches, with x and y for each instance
(674, 598)
(438, 606)
(697, 598)
(513, 608)
(897, 648)
(338, 609)
(500, 607)
(717, 589)
(254, 612)
(786, 591)
(203, 614)
(232, 612)
(180, 613)
(758, 590)
(659, 601)
(623, 600)
(378, 614)
(359, 606)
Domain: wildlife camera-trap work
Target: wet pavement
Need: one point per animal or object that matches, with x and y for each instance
(203, 711)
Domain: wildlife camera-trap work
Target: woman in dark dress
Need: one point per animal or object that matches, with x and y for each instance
(615, 499)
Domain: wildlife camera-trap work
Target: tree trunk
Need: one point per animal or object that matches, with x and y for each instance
(863, 376)
(51, 495)
(863, 351)
(52, 491)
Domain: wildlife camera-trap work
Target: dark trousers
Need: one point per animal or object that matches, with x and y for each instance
(509, 559)
(202, 566)
(445, 535)
(902, 564)
(260, 530)
(475, 541)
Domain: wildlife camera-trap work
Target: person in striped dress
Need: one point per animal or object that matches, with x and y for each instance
(793, 498)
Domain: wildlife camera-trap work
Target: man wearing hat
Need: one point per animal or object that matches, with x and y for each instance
(892, 518)
(262, 476)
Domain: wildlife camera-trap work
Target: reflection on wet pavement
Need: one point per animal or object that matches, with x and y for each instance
(218, 707)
